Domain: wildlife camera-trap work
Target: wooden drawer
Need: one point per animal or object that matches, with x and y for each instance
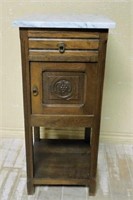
(63, 46)
(56, 44)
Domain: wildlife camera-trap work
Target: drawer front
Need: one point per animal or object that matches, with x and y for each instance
(63, 88)
(67, 44)
(63, 46)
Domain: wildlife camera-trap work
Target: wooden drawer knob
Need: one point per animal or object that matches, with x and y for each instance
(61, 47)
(35, 90)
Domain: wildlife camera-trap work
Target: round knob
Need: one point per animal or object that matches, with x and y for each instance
(61, 47)
(35, 90)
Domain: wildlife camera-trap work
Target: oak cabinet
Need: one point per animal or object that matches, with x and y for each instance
(63, 73)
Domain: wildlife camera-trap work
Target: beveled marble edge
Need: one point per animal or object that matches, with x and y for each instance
(65, 21)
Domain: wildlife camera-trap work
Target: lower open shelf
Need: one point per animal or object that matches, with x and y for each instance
(61, 160)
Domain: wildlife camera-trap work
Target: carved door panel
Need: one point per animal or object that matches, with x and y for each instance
(63, 88)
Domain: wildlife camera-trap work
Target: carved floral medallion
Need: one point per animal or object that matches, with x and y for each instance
(62, 88)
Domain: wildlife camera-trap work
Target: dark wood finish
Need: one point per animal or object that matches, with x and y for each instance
(88, 134)
(69, 55)
(56, 121)
(62, 159)
(76, 44)
(49, 181)
(27, 109)
(56, 33)
(83, 77)
(36, 134)
(63, 73)
(96, 125)
(63, 88)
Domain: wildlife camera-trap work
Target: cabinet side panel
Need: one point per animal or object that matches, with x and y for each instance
(98, 103)
(27, 107)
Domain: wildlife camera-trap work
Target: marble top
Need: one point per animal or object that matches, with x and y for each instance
(65, 21)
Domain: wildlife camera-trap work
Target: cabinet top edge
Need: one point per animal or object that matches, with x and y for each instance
(84, 21)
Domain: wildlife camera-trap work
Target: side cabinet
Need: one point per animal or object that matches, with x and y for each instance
(63, 73)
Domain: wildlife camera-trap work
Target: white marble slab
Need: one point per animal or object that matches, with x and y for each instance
(65, 21)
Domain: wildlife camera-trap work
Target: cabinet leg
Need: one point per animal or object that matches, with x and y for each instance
(88, 134)
(94, 156)
(30, 187)
(29, 158)
(92, 188)
(36, 134)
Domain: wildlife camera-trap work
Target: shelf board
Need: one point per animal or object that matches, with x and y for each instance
(61, 160)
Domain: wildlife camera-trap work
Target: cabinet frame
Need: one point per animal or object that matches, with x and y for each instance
(91, 122)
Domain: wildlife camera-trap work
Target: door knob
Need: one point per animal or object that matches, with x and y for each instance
(35, 90)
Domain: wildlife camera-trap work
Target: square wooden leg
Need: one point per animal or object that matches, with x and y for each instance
(92, 187)
(36, 134)
(88, 134)
(30, 187)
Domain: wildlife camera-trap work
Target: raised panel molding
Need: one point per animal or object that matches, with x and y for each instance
(63, 87)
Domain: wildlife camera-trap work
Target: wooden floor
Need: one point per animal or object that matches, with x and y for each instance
(115, 175)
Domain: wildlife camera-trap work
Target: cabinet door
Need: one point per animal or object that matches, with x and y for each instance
(63, 88)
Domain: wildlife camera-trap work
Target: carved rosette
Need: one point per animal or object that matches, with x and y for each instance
(62, 88)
